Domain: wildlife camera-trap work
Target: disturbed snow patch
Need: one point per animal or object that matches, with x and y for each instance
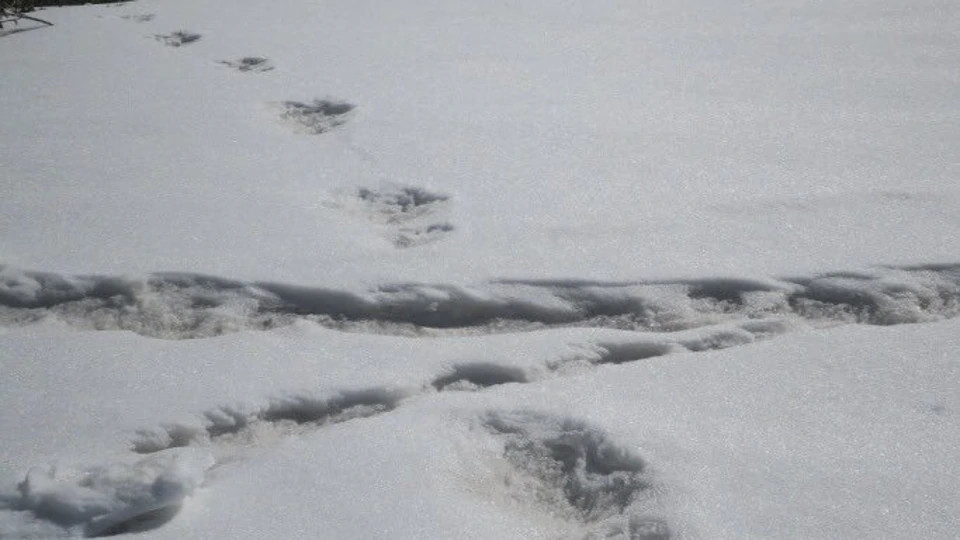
(575, 472)
(114, 498)
(190, 306)
(178, 38)
(409, 216)
(167, 306)
(146, 17)
(399, 204)
(417, 236)
(285, 415)
(318, 117)
(249, 63)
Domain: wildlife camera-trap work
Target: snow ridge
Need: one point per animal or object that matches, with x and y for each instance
(185, 306)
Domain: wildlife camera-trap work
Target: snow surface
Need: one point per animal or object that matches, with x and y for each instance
(616, 141)
(456, 269)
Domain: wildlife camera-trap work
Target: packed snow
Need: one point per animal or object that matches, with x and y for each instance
(459, 269)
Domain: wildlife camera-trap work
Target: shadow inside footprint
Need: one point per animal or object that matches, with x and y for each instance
(621, 353)
(345, 406)
(146, 521)
(477, 376)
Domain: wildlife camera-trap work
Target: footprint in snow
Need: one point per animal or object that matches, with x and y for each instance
(249, 63)
(178, 38)
(146, 17)
(409, 216)
(578, 472)
(319, 116)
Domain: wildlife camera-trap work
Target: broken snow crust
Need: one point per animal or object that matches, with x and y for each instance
(315, 430)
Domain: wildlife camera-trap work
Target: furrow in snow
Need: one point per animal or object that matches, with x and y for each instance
(183, 306)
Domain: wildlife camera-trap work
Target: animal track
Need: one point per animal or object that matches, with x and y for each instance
(231, 424)
(410, 215)
(401, 204)
(146, 17)
(573, 470)
(318, 117)
(249, 63)
(177, 39)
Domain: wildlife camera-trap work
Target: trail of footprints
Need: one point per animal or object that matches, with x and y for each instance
(187, 306)
(566, 468)
(570, 469)
(407, 213)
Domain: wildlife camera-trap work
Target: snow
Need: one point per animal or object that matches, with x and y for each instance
(616, 142)
(825, 433)
(539, 269)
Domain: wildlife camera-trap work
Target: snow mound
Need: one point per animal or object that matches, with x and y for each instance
(115, 498)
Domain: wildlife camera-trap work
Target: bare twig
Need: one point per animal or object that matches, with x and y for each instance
(48, 23)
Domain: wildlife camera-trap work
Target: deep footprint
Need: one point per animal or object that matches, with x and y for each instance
(184, 306)
(570, 468)
(231, 424)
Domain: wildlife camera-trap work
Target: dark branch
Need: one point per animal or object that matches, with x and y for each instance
(29, 18)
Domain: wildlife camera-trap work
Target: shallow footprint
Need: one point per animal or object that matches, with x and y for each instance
(146, 17)
(408, 237)
(317, 117)
(178, 38)
(249, 63)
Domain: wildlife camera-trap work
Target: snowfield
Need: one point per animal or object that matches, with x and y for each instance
(462, 269)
